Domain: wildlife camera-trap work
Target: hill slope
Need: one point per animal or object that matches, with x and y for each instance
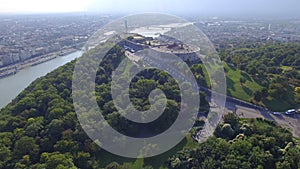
(39, 129)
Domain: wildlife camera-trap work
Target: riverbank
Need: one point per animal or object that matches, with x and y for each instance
(11, 86)
(15, 68)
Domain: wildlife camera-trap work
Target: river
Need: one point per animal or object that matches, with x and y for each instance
(11, 86)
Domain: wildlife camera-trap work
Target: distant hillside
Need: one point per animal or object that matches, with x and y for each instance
(274, 67)
(39, 129)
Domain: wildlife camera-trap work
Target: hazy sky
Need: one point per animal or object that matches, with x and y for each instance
(255, 7)
(44, 6)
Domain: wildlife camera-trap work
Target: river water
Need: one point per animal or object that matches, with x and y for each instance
(11, 86)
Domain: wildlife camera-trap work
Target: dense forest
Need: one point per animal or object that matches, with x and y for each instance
(39, 129)
(243, 143)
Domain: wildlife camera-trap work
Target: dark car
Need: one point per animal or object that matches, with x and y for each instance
(276, 113)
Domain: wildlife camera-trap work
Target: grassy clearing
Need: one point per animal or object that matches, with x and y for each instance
(288, 68)
(245, 91)
(236, 89)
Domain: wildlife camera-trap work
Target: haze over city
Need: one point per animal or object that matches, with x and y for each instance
(276, 8)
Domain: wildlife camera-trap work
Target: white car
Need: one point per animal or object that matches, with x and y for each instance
(290, 112)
